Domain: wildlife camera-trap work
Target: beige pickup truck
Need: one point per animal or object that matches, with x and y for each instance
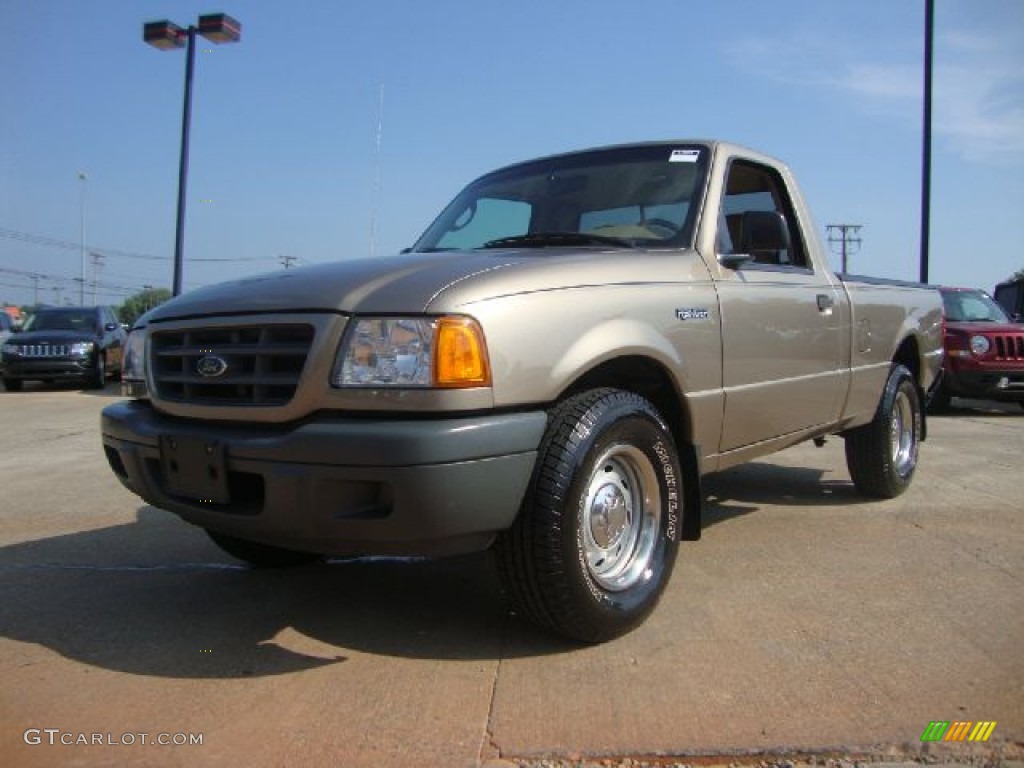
(547, 372)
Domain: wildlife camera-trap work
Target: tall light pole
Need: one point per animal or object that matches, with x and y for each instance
(81, 211)
(165, 35)
(926, 150)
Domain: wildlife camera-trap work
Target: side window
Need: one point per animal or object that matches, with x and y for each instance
(488, 219)
(752, 187)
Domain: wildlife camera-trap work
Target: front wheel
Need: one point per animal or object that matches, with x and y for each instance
(882, 455)
(98, 375)
(595, 542)
(261, 555)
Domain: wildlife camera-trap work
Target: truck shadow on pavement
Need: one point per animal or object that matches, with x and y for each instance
(748, 487)
(156, 597)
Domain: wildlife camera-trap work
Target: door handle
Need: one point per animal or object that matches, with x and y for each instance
(825, 302)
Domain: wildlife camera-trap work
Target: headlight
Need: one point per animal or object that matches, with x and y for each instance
(133, 365)
(979, 345)
(82, 348)
(415, 352)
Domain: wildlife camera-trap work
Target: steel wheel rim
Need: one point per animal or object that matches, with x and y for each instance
(621, 518)
(902, 434)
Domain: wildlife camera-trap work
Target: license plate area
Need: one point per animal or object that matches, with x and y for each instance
(195, 468)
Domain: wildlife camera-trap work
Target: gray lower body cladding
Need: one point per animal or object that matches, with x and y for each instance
(333, 485)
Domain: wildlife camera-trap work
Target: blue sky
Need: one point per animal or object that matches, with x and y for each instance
(285, 123)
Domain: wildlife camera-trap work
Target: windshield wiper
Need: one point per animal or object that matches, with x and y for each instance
(555, 240)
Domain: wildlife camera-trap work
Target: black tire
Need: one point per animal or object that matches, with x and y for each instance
(595, 541)
(98, 376)
(261, 555)
(13, 385)
(882, 455)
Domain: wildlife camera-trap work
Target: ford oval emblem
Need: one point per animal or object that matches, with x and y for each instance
(211, 366)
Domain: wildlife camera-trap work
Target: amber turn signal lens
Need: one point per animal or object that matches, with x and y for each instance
(460, 354)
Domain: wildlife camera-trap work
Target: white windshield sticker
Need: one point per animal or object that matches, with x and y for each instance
(684, 156)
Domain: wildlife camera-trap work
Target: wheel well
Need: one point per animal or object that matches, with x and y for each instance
(650, 380)
(644, 377)
(908, 355)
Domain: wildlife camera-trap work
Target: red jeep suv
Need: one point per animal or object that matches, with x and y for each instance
(984, 350)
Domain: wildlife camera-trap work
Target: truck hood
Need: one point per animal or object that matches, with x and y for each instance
(407, 283)
(981, 329)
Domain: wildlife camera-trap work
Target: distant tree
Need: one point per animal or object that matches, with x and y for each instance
(143, 301)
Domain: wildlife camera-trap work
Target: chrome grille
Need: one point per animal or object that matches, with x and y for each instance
(230, 365)
(45, 350)
(1009, 347)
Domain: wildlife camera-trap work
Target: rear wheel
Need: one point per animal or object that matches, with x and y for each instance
(882, 455)
(261, 555)
(595, 542)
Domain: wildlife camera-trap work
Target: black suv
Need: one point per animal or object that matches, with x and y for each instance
(64, 343)
(1011, 295)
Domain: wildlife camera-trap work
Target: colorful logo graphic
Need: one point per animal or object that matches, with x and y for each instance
(958, 730)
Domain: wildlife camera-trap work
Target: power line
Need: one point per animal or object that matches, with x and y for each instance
(107, 288)
(53, 242)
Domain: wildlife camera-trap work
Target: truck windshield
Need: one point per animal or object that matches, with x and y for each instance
(972, 307)
(638, 196)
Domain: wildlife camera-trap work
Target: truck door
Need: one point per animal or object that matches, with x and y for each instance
(782, 315)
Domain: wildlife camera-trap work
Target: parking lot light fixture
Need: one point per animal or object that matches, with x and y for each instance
(165, 35)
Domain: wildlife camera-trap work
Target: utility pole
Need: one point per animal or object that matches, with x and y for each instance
(97, 264)
(287, 261)
(847, 236)
(81, 210)
(376, 171)
(35, 290)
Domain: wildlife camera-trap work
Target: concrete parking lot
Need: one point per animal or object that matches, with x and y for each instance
(808, 621)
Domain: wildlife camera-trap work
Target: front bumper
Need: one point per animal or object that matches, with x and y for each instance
(47, 368)
(990, 383)
(336, 485)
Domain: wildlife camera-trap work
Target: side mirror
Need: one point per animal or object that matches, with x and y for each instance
(111, 327)
(734, 260)
(758, 232)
